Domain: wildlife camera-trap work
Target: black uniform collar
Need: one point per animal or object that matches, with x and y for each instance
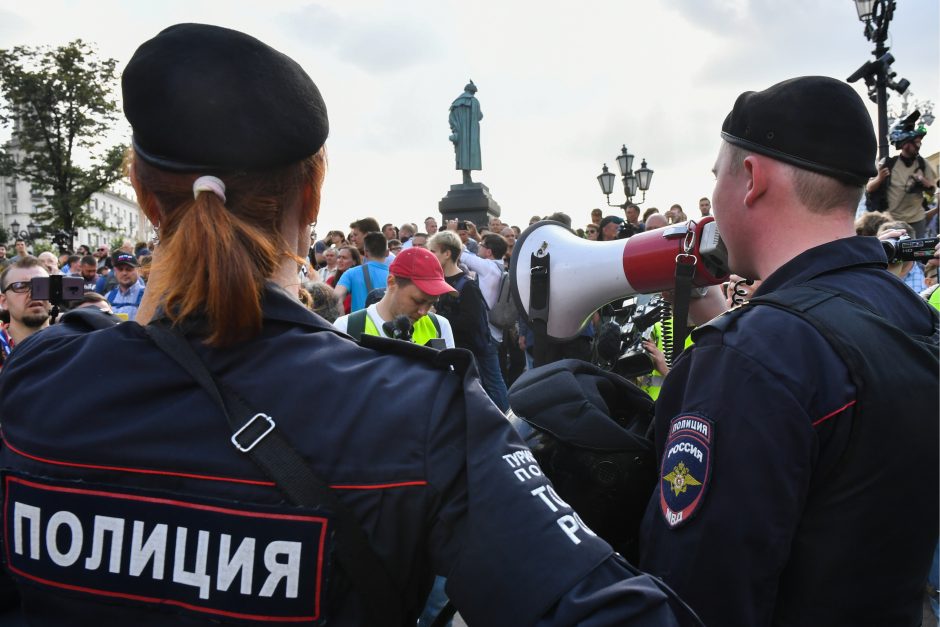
(835, 255)
(277, 305)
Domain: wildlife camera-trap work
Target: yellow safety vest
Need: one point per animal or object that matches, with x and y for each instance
(935, 298)
(425, 329)
(653, 382)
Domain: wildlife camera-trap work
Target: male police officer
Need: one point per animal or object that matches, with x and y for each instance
(798, 436)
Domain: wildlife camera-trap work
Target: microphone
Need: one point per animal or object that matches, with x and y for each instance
(399, 328)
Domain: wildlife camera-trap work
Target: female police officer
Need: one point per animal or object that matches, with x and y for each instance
(130, 501)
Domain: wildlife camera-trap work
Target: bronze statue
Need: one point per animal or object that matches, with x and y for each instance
(465, 116)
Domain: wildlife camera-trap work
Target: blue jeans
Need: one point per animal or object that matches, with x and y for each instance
(491, 375)
(933, 579)
(436, 602)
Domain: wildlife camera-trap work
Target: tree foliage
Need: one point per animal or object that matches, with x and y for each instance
(61, 105)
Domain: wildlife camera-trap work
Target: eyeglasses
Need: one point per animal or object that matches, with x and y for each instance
(20, 287)
(592, 230)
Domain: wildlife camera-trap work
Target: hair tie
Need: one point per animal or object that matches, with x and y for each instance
(209, 184)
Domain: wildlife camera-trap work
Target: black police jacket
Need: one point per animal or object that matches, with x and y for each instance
(798, 479)
(125, 502)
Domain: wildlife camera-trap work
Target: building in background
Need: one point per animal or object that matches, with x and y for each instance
(116, 208)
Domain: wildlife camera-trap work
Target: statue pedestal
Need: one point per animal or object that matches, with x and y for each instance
(469, 201)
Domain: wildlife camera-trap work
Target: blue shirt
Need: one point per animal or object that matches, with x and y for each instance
(354, 282)
(915, 278)
(126, 303)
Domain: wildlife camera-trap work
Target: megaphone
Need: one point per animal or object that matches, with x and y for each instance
(559, 279)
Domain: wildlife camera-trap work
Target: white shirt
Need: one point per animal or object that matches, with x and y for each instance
(489, 273)
(447, 334)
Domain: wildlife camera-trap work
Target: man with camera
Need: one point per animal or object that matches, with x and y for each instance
(633, 224)
(902, 181)
(788, 448)
(27, 316)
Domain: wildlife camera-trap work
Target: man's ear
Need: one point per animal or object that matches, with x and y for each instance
(756, 170)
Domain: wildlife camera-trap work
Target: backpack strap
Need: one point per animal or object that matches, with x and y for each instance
(366, 277)
(437, 323)
(356, 323)
(112, 295)
(460, 282)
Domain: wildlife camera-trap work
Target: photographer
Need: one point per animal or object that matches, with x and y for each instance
(27, 316)
(610, 228)
(908, 271)
(903, 180)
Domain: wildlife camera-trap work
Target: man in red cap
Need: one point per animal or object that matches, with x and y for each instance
(415, 281)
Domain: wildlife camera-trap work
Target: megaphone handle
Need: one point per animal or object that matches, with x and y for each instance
(685, 271)
(539, 291)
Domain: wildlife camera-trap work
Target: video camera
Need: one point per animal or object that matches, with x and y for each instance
(620, 344)
(904, 249)
(57, 289)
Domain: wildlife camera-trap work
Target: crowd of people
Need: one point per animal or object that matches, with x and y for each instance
(261, 467)
(113, 283)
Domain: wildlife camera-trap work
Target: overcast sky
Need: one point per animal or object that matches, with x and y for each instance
(562, 85)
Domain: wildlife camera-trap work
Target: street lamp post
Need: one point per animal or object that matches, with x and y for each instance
(876, 16)
(31, 232)
(632, 181)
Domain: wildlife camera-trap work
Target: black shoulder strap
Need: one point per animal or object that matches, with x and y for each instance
(366, 277)
(256, 434)
(356, 323)
(437, 323)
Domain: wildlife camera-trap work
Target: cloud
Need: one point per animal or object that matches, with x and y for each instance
(375, 42)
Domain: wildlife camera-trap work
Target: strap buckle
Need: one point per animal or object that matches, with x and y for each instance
(267, 429)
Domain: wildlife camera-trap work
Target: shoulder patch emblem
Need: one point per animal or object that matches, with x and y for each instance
(686, 467)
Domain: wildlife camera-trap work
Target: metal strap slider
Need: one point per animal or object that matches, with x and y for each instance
(266, 430)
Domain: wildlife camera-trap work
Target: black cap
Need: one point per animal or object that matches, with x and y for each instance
(608, 219)
(812, 122)
(206, 98)
(125, 258)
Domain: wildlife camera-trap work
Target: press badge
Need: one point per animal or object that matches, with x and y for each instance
(686, 467)
(208, 557)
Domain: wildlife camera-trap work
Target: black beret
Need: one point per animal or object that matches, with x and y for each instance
(812, 122)
(205, 98)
